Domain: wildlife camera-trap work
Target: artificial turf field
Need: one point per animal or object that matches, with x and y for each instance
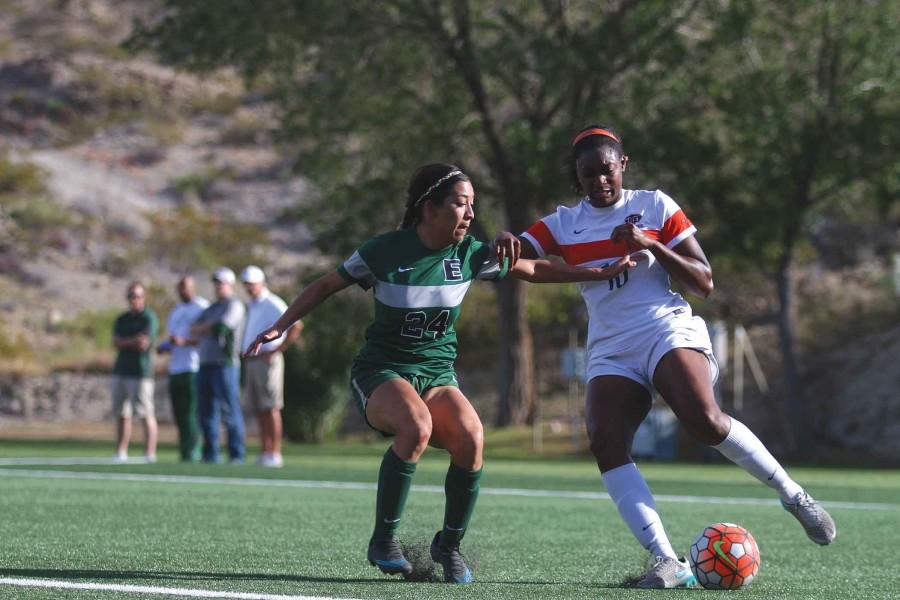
(298, 532)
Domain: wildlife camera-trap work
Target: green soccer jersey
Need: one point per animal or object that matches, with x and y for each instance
(418, 293)
(131, 362)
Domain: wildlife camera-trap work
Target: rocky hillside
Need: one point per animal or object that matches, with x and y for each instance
(116, 168)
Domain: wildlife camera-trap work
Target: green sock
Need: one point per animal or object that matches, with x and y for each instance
(461, 488)
(394, 480)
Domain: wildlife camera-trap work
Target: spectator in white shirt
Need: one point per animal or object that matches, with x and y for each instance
(264, 372)
(184, 363)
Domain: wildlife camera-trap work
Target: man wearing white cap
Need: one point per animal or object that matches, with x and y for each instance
(220, 329)
(264, 372)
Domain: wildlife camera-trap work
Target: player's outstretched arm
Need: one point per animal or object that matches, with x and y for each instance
(311, 296)
(546, 271)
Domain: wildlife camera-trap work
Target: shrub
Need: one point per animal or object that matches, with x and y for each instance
(201, 184)
(92, 326)
(87, 341)
(33, 220)
(217, 103)
(245, 130)
(20, 178)
(40, 213)
(166, 131)
(18, 356)
(317, 370)
(190, 238)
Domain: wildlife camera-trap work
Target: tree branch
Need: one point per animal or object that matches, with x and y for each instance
(459, 49)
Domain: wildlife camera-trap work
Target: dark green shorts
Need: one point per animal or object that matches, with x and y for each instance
(364, 381)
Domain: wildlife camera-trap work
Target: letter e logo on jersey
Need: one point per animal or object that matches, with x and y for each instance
(633, 219)
(452, 269)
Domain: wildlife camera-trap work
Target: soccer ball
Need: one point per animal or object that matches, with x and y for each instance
(724, 556)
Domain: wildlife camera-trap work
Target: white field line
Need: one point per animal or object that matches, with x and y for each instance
(81, 460)
(147, 589)
(434, 489)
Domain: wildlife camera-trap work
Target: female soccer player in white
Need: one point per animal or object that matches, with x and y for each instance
(641, 336)
(403, 378)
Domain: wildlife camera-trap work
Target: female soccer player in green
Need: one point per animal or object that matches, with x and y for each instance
(403, 378)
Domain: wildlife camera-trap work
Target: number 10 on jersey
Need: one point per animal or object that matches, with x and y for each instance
(618, 281)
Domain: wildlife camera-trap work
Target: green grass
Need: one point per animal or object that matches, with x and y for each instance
(308, 541)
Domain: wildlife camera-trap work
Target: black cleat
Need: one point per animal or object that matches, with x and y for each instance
(387, 555)
(455, 568)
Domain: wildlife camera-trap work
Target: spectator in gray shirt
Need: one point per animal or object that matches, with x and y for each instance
(219, 329)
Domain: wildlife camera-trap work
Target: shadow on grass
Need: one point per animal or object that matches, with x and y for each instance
(181, 575)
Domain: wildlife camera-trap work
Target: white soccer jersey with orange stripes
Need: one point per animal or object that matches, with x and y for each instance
(636, 298)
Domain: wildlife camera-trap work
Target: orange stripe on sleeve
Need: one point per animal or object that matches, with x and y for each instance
(544, 237)
(674, 226)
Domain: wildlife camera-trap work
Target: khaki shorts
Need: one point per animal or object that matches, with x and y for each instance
(132, 394)
(264, 382)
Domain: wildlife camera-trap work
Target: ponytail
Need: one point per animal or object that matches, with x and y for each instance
(409, 217)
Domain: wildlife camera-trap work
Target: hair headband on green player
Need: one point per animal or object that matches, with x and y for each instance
(437, 184)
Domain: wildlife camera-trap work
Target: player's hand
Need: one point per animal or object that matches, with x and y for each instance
(633, 236)
(610, 271)
(506, 245)
(142, 342)
(263, 338)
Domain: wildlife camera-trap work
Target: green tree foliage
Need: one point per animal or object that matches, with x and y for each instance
(316, 385)
(370, 91)
(788, 128)
(758, 116)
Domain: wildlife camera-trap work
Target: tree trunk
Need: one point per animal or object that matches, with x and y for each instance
(793, 385)
(515, 403)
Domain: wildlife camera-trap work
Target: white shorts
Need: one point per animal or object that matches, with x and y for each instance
(637, 359)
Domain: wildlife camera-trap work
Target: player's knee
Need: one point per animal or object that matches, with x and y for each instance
(470, 442)
(606, 447)
(417, 433)
(473, 432)
(708, 426)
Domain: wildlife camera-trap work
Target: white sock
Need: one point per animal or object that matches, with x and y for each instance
(744, 449)
(628, 489)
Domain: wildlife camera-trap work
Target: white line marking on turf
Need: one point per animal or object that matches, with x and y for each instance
(146, 589)
(83, 460)
(434, 489)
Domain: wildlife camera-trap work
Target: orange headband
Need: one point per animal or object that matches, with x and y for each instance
(595, 131)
